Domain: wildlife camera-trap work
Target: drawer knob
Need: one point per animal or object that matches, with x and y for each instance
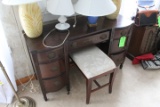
(123, 33)
(57, 83)
(54, 68)
(51, 55)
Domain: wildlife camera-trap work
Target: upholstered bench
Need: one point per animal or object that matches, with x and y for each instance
(94, 63)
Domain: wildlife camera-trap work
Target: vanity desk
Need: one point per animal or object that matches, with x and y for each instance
(51, 65)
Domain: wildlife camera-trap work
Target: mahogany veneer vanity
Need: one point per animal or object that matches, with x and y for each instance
(52, 65)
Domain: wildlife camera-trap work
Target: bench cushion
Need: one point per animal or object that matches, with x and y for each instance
(92, 61)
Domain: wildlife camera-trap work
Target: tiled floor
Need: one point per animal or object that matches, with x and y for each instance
(133, 87)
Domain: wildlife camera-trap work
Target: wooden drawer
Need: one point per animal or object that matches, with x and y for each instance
(115, 46)
(93, 39)
(50, 55)
(50, 70)
(54, 84)
(122, 32)
(118, 58)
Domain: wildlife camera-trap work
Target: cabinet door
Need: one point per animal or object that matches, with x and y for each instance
(136, 39)
(144, 40)
(149, 39)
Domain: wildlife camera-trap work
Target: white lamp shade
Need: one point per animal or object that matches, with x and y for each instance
(18, 2)
(94, 7)
(60, 7)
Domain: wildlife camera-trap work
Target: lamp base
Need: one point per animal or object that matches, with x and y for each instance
(25, 102)
(31, 19)
(92, 25)
(92, 21)
(62, 26)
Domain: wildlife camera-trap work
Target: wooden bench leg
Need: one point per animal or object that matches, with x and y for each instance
(68, 84)
(121, 66)
(88, 90)
(111, 80)
(45, 97)
(68, 88)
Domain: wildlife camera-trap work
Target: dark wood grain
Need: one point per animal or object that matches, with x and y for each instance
(51, 65)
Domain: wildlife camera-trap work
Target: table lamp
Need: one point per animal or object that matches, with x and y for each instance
(30, 16)
(62, 8)
(94, 8)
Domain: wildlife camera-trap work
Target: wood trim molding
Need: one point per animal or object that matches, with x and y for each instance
(25, 79)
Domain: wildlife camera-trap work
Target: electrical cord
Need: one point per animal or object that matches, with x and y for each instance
(75, 21)
(43, 41)
(47, 46)
(22, 39)
(23, 86)
(32, 87)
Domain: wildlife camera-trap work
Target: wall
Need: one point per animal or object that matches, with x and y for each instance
(6, 93)
(13, 36)
(15, 39)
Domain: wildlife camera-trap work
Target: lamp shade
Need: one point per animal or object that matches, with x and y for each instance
(63, 8)
(18, 2)
(94, 7)
(60, 7)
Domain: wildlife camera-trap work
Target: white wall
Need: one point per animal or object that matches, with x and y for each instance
(15, 39)
(6, 93)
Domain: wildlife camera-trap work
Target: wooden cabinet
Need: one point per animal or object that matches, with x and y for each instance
(51, 65)
(48, 63)
(119, 43)
(50, 70)
(144, 40)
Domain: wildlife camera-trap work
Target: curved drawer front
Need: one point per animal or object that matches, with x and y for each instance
(53, 69)
(115, 46)
(54, 84)
(93, 39)
(122, 32)
(50, 55)
(118, 58)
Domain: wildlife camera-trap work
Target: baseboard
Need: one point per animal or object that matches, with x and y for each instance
(25, 79)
